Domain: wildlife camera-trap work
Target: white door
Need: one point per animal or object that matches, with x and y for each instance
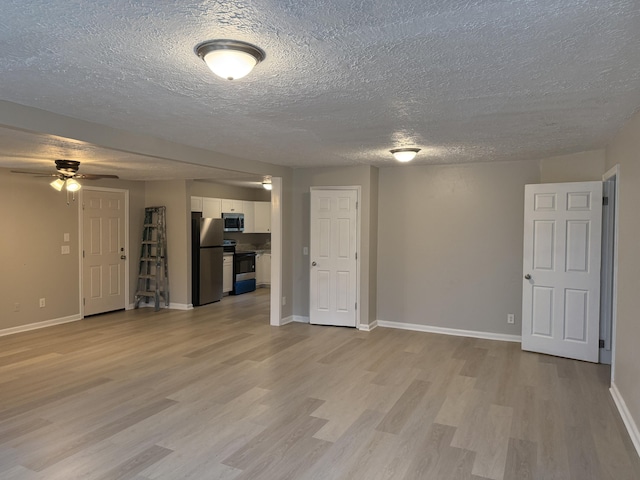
(333, 269)
(561, 269)
(103, 268)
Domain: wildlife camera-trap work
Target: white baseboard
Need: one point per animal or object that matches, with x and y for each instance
(368, 327)
(450, 331)
(172, 306)
(180, 306)
(37, 325)
(294, 318)
(632, 428)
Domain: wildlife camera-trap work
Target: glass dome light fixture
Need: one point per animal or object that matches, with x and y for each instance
(73, 185)
(58, 183)
(230, 59)
(267, 185)
(404, 154)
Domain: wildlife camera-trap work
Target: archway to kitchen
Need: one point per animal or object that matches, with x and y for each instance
(236, 243)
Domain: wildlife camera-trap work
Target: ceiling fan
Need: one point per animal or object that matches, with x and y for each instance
(67, 175)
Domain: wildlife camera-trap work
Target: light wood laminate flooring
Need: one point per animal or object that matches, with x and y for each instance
(216, 393)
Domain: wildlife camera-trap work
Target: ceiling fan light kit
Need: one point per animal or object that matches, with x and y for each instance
(67, 173)
(58, 184)
(230, 59)
(404, 154)
(73, 185)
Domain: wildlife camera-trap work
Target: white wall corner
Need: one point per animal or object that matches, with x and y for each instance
(450, 331)
(37, 325)
(628, 420)
(367, 327)
(286, 320)
(300, 319)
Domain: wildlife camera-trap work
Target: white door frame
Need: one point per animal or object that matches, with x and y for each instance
(275, 313)
(611, 174)
(358, 190)
(81, 242)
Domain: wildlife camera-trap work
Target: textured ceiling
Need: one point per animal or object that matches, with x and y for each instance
(343, 81)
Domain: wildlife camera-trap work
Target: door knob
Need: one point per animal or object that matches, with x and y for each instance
(123, 257)
(313, 264)
(527, 277)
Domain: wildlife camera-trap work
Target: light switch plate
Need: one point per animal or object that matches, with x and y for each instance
(65, 250)
(66, 237)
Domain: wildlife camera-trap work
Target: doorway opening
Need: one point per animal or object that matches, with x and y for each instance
(609, 265)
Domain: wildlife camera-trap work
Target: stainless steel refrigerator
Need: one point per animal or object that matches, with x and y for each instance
(207, 235)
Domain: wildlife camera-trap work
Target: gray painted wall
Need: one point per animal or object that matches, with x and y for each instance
(219, 190)
(35, 218)
(450, 245)
(577, 167)
(625, 151)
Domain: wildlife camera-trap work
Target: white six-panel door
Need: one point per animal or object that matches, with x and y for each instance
(333, 269)
(561, 269)
(103, 268)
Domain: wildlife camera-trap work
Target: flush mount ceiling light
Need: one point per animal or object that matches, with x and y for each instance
(404, 154)
(266, 184)
(230, 59)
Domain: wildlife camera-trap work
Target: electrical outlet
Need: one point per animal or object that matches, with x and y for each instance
(43, 303)
(511, 318)
(16, 307)
(284, 301)
(305, 250)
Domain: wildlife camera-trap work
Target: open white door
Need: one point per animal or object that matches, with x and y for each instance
(103, 242)
(561, 269)
(333, 270)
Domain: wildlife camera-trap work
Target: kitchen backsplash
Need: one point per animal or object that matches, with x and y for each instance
(250, 241)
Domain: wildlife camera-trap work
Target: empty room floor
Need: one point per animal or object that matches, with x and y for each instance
(216, 393)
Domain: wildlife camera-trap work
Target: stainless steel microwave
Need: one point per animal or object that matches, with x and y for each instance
(233, 222)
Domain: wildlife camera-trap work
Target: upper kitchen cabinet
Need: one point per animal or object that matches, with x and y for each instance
(232, 206)
(212, 207)
(196, 204)
(262, 217)
(248, 209)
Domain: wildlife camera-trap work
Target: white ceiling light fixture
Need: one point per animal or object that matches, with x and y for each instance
(267, 184)
(230, 59)
(73, 185)
(58, 183)
(404, 154)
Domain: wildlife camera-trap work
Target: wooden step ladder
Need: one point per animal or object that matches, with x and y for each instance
(153, 277)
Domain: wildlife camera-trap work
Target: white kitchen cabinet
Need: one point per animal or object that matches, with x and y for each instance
(263, 269)
(211, 208)
(262, 217)
(249, 216)
(231, 206)
(196, 204)
(227, 272)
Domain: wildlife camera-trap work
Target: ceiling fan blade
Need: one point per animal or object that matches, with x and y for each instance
(91, 176)
(33, 172)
